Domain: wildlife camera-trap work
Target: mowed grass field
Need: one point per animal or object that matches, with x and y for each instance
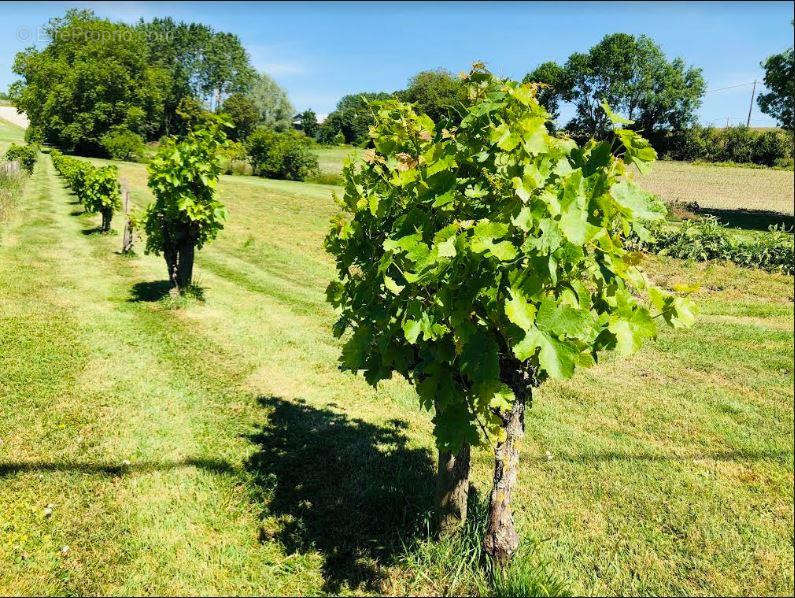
(212, 446)
(713, 187)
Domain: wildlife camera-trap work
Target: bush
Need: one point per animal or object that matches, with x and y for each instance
(123, 144)
(706, 239)
(281, 155)
(733, 144)
(26, 154)
(234, 159)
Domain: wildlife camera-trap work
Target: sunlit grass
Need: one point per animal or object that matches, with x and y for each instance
(211, 445)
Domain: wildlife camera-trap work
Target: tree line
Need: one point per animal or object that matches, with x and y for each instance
(99, 84)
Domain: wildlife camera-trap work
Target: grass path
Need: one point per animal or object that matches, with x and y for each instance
(212, 447)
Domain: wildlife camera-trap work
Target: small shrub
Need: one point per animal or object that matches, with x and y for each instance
(123, 144)
(102, 193)
(234, 159)
(26, 154)
(281, 155)
(705, 239)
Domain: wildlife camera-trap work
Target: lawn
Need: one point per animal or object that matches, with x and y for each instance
(212, 446)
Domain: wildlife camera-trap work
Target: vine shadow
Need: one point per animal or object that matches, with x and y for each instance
(351, 490)
(749, 219)
(150, 291)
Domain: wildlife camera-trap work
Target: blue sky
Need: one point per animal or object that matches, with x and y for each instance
(322, 51)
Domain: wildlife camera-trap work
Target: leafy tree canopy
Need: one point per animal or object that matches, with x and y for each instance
(352, 117)
(243, 113)
(632, 75)
(480, 260)
(306, 121)
(436, 93)
(779, 101)
(275, 110)
(92, 76)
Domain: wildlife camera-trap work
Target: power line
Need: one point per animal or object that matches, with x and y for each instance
(729, 87)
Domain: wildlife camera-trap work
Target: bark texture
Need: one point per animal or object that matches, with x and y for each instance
(501, 539)
(179, 252)
(107, 214)
(453, 489)
(128, 238)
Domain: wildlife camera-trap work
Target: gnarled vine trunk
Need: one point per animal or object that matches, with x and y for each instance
(107, 215)
(501, 539)
(452, 489)
(179, 254)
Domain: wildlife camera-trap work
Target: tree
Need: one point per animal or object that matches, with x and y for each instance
(85, 82)
(243, 113)
(555, 85)
(178, 49)
(632, 75)
(779, 101)
(224, 68)
(275, 110)
(185, 213)
(352, 117)
(438, 94)
(306, 121)
(480, 263)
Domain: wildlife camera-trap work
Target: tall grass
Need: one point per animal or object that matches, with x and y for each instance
(10, 188)
(457, 565)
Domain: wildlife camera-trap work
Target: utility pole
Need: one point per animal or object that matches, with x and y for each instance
(751, 106)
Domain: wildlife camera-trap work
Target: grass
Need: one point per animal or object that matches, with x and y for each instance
(211, 446)
(722, 188)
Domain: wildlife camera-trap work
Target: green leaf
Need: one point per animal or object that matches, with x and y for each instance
(614, 118)
(637, 202)
(520, 311)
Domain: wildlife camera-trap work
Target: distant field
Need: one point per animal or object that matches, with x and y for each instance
(722, 187)
(9, 133)
(719, 187)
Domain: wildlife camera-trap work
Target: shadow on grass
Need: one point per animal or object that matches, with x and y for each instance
(77, 212)
(150, 291)
(92, 231)
(351, 490)
(115, 469)
(749, 219)
(158, 290)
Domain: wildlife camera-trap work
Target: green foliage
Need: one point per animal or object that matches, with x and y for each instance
(123, 144)
(632, 75)
(74, 171)
(281, 155)
(554, 83)
(732, 144)
(275, 109)
(96, 188)
(234, 158)
(93, 75)
(26, 154)
(467, 258)
(243, 113)
(438, 94)
(353, 117)
(779, 101)
(706, 239)
(225, 68)
(306, 122)
(101, 189)
(183, 177)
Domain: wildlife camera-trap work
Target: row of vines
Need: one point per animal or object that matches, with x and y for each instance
(96, 188)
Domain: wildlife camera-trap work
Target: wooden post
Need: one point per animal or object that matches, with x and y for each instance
(128, 238)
